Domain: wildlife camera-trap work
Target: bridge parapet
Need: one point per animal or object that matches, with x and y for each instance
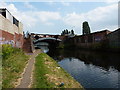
(47, 38)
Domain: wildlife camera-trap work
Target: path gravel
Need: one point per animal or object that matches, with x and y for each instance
(26, 79)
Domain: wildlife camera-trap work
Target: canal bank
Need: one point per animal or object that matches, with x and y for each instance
(48, 74)
(93, 69)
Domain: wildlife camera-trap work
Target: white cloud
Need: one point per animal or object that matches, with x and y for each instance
(63, 0)
(46, 15)
(30, 18)
(49, 23)
(51, 3)
(99, 18)
(65, 3)
(2, 4)
(28, 5)
(111, 1)
(26, 19)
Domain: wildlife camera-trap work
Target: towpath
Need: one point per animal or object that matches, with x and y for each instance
(27, 74)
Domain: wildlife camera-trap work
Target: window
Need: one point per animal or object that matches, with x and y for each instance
(3, 12)
(15, 21)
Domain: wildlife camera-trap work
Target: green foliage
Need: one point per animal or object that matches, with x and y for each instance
(7, 50)
(86, 28)
(72, 32)
(14, 60)
(66, 32)
(40, 71)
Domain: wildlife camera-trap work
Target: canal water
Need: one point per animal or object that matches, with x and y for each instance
(91, 69)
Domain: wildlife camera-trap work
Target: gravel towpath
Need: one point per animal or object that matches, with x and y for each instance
(27, 74)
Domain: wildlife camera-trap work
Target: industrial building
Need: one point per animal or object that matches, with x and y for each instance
(11, 29)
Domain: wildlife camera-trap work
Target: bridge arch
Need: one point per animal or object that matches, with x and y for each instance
(52, 42)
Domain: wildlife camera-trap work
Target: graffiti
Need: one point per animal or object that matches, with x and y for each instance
(3, 41)
(18, 44)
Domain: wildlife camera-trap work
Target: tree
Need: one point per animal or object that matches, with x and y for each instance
(72, 32)
(62, 33)
(86, 28)
(66, 31)
(69, 32)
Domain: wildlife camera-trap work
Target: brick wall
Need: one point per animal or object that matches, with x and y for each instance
(90, 40)
(114, 39)
(10, 33)
(18, 38)
(15, 40)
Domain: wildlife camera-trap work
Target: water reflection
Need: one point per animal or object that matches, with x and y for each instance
(91, 69)
(102, 59)
(43, 46)
(45, 49)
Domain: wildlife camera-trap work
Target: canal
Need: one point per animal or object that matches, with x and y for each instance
(91, 69)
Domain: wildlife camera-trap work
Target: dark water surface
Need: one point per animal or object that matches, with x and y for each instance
(91, 69)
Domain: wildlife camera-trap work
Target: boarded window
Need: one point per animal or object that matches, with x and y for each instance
(15, 21)
(3, 12)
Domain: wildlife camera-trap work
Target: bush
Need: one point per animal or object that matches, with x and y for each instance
(13, 63)
(7, 50)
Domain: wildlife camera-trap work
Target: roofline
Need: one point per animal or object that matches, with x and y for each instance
(43, 34)
(7, 10)
(93, 33)
(10, 13)
(114, 31)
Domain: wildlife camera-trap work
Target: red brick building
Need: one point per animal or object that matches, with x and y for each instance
(90, 39)
(11, 30)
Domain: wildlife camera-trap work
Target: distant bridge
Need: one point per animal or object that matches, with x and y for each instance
(47, 39)
(37, 41)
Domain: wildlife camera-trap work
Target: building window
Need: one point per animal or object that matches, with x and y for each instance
(15, 21)
(3, 12)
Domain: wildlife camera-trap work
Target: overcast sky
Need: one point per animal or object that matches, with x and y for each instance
(53, 17)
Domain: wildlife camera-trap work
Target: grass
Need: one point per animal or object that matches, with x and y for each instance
(12, 66)
(0, 77)
(48, 74)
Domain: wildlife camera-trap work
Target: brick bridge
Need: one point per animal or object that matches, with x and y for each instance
(34, 40)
